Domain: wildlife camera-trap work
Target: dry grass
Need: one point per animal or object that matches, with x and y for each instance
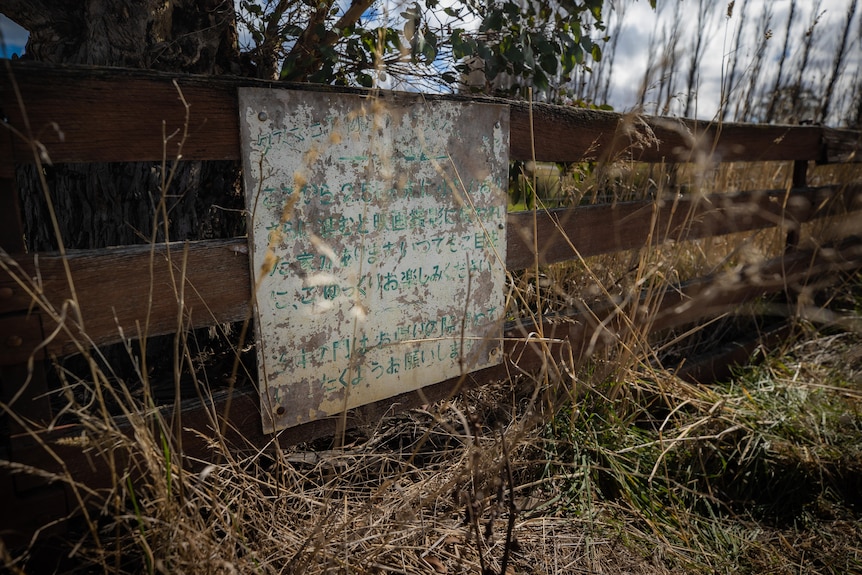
(754, 475)
(615, 467)
(620, 468)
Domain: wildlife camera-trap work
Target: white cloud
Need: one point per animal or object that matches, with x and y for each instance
(635, 52)
(643, 37)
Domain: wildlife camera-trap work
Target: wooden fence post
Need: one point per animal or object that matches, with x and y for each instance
(22, 497)
(800, 180)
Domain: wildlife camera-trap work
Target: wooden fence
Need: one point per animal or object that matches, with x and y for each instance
(113, 115)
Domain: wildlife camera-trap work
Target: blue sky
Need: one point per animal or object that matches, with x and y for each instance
(640, 23)
(13, 38)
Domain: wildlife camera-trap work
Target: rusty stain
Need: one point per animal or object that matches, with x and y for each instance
(377, 229)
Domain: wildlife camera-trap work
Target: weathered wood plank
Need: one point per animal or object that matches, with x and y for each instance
(569, 233)
(21, 336)
(113, 285)
(706, 297)
(11, 225)
(119, 116)
(712, 296)
(7, 166)
(104, 115)
(84, 114)
(115, 292)
(20, 385)
(566, 134)
(718, 365)
(25, 513)
(842, 145)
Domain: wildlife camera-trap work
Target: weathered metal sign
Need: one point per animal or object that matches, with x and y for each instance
(377, 239)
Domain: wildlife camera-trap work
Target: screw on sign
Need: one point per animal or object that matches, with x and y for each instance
(380, 221)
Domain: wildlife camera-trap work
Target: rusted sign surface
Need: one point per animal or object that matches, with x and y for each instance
(377, 238)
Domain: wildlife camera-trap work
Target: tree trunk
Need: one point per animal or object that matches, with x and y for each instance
(100, 204)
(113, 204)
(171, 35)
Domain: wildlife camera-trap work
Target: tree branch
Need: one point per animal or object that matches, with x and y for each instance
(306, 52)
(348, 19)
(272, 42)
(31, 14)
(47, 20)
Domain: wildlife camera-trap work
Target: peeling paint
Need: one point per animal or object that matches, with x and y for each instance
(386, 219)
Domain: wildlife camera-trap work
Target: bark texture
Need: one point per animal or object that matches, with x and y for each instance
(113, 204)
(171, 35)
(99, 204)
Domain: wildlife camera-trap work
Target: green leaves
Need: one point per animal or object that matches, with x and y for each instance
(429, 47)
(535, 43)
(421, 39)
(365, 79)
(462, 46)
(515, 44)
(412, 19)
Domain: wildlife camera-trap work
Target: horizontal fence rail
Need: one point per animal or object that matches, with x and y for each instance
(143, 278)
(82, 114)
(566, 339)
